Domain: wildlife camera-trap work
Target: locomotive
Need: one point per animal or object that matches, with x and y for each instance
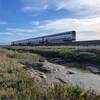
(55, 39)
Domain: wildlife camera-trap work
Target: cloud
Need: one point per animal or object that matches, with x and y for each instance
(78, 7)
(20, 30)
(67, 23)
(3, 23)
(27, 8)
(87, 28)
(34, 5)
(35, 23)
(31, 8)
(6, 33)
(83, 7)
(88, 36)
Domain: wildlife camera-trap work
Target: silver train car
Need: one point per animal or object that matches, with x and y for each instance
(60, 38)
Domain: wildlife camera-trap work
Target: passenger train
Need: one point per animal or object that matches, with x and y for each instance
(60, 38)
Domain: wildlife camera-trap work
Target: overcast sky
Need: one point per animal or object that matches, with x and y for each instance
(22, 19)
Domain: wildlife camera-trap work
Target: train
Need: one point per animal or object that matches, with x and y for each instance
(55, 39)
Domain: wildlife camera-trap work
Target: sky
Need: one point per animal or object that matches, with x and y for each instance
(23, 19)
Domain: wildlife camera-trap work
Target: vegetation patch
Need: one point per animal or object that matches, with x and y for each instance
(68, 54)
(17, 84)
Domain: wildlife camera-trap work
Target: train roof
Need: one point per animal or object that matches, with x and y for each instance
(62, 33)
